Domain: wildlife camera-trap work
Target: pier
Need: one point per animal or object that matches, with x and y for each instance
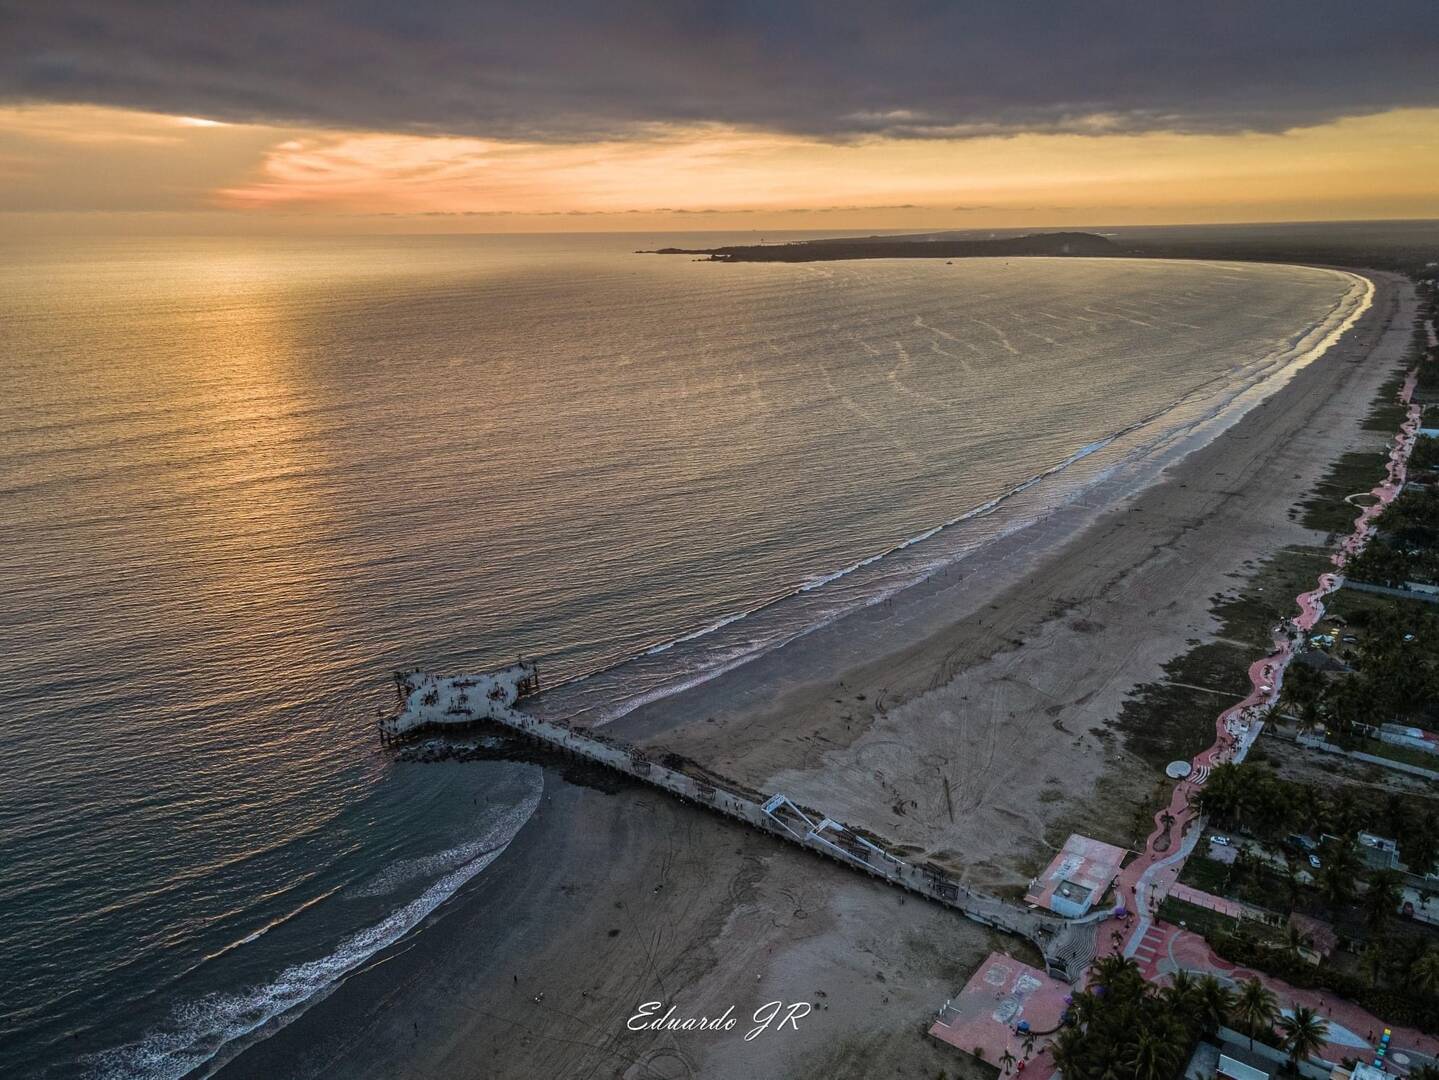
(432, 703)
(438, 702)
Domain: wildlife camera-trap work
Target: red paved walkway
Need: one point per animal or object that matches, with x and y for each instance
(1160, 948)
(1157, 869)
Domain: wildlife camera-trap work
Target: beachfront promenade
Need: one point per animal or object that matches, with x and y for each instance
(431, 702)
(1161, 949)
(1150, 876)
(1068, 946)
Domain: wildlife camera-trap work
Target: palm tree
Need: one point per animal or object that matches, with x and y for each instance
(1067, 1051)
(1382, 899)
(1309, 807)
(1181, 986)
(1181, 997)
(1006, 1061)
(1257, 1007)
(1154, 1055)
(1336, 885)
(1425, 971)
(1114, 971)
(1336, 879)
(1372, 958)
(1304, 1034)
(1346, 813)
(1223, 794)
(1214, 1002)
(1421, 848)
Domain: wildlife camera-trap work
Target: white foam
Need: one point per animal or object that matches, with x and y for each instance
(1265, 376)
(200, 1030)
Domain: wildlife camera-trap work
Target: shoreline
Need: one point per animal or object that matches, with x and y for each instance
(1128, 459)
(837, 718)
(1052, 635)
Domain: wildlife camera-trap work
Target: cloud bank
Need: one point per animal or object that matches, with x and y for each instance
(575, 70)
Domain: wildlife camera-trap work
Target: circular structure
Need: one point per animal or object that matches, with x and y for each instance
(1178, 770)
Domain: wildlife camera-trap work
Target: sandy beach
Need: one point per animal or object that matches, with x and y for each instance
(1002, 676)
(970, 722)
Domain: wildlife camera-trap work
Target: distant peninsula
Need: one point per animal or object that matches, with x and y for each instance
(923, 246)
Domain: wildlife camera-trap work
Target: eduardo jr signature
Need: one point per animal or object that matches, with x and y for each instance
(773, 1013)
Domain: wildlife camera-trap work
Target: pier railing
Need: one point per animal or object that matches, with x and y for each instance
(1066, 946)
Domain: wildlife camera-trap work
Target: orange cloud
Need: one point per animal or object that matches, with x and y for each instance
(1389, 159)
(57, 158)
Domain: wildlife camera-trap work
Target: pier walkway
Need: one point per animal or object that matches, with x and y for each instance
(432, 702)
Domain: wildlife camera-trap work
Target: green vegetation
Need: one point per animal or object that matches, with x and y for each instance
(1203, 873)
(1393, 981)
(1406, 547)
(1388, 965)
(1427, 388)
(1395, 675)
(1166, 720)
(1202, 921)
(1424, 460)
(1123, 1026)
(1268, 598)
(1325, 510)
(1251, 798)
(1405, 754)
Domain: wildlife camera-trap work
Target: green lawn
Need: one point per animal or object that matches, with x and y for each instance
(1204, 873)
(1192, 917)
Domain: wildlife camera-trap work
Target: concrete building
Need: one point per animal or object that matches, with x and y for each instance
(1378, 852)
(1412, 737)
(1077, 878)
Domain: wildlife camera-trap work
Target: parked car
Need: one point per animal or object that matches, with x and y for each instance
(1314, 861)
(1222, 841)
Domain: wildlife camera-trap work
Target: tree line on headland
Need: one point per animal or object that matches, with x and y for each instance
(881, 247)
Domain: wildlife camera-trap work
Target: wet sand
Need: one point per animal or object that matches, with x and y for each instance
(606, 901)
(999, 677)
(1002, 676)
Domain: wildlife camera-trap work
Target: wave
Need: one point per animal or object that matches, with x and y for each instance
(820, 580)
(396, 874)
(260, 932)
(1300, 349)
(200, 1030)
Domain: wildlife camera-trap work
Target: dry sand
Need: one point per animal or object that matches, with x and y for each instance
(608, 901)
(1000, 680)
(1039, 641)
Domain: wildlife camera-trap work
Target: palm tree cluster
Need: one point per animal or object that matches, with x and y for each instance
(1407, 546)
(1250, 798)
(1126, 1027)
(1397, 976)
(1123, 1026)
(1395, 667)
(1424, 458)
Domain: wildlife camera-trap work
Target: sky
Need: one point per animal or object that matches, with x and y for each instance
(376, 116)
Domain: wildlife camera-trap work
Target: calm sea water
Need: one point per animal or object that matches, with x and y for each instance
(243, 481)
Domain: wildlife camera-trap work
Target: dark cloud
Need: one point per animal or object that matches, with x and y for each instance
(560, 69)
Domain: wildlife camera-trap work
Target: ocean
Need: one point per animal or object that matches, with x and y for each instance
(244, 480)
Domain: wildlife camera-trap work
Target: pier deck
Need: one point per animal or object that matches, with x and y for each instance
(432, 702)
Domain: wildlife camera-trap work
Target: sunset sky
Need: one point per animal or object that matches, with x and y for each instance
(430, 116)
